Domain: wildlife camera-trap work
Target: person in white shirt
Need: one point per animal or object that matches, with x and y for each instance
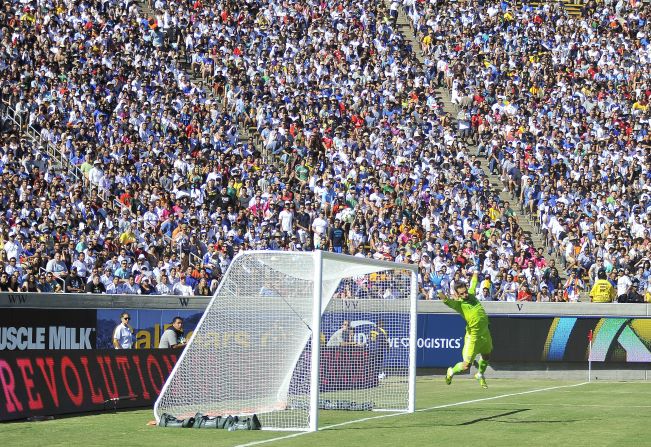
(12, 267)
(140, 264)
(82, 268)
(96, 174)
(320, 227)
(123, 337)
(164, 287)
(286, 219)
(12, 247)
(180, 288)
(130, 287)
(115, 287)
(624, 284)
(150, 218)
(106, 278)
(510, 289)
(57, 267)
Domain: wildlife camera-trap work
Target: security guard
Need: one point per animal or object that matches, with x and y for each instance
(602, 291)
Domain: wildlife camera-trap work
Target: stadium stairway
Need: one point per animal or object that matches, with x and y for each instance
(573, 7)
(527, 222)
(245, 133)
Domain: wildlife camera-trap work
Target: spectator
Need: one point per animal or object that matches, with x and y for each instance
(146, 288)
(202, 288)
(173, 337)
(573, 287)
(30, 284)
(115, 287)
(374, 149)
(123, 334)
(544, 296)
(602, 290)
(75, 283)
(95, 285)
(57, 267)
(624, 286)
(129, 287)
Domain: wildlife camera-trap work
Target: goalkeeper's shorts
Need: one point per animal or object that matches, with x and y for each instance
(476, 344)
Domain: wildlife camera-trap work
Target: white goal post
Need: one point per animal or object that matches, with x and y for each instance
(290, 333)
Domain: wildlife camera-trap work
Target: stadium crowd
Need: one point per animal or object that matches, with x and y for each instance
(559, 105)
(357, 154)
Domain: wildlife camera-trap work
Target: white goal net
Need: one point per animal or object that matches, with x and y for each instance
(253, 350)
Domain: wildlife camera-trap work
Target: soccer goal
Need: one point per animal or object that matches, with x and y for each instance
(289, 333)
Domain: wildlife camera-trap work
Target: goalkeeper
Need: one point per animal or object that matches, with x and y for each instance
(478, 338)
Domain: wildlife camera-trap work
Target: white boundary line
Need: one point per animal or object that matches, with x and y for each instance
(531, 404)
(437, 407)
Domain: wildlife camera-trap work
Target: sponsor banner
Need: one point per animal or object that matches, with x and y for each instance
(148, 325)
(440, 340)
(615, 339)
(366, 327)
(45, 383)
(439, 343)
(54, 329)
(538, 339)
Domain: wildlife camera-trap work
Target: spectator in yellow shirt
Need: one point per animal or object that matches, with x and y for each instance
(602, 291)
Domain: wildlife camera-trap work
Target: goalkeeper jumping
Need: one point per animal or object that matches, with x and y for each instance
(478, 337)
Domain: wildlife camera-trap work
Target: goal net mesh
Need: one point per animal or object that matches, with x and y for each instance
(251, 352)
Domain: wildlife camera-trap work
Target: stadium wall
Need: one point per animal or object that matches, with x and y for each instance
(536, 339)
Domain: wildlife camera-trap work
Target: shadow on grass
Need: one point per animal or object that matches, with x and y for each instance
(542, 422)
(455, 413)
(495, 416)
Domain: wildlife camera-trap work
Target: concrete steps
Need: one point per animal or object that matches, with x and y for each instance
(573, 7)
(526, 222)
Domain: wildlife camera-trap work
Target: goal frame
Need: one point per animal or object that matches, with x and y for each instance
(318, 257)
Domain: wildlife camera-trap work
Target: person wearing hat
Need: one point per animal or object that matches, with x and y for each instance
(12, 247)
(96, 174)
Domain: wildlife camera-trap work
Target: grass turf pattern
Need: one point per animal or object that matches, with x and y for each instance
(594, 414)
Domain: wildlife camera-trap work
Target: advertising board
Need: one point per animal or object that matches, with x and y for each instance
(44, 382)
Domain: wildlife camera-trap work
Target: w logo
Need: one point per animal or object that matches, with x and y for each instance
(16, 299)
(183, 300)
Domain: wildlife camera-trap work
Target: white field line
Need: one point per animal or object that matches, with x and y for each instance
(437, 407)
(531, 404)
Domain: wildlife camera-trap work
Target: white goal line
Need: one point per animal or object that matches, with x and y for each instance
(437, 407)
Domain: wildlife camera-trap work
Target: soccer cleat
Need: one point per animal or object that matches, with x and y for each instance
(482, 380)
(448, 376)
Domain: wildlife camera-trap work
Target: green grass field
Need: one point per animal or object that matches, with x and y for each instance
(509, 412)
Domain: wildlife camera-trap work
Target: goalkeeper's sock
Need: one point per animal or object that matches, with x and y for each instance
(456, 369)
(483, 364)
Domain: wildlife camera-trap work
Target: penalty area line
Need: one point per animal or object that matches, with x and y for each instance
(420, 410)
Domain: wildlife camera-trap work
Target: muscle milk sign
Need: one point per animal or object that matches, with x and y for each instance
(27, 329)
(53, 337)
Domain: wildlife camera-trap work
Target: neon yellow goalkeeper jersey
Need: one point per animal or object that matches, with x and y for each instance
(472, 311)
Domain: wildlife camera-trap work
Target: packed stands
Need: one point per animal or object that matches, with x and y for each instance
(151, 143)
